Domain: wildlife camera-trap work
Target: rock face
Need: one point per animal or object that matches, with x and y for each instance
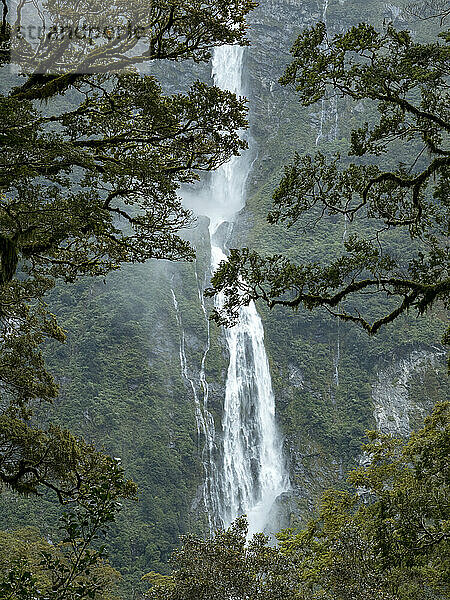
(396, 410)
(332, 383)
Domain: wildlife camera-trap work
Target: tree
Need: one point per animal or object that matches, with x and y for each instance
(89, 180)
(64, 41)
(226, 567)
(408, 82)
(89, 177)
(389, 538)
(429, 9)
(89, 485)
(92, 155)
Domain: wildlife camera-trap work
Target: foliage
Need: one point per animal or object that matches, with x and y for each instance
(429, 9)
(92, 155)
(95, 508)
(390, 538)
(70, 194)
(90, 183)
(119, 380)
(54, 459)
(408, 81)
(120, 387)
(226, 567)
(90, 486)
(94, 37)
(73, 567)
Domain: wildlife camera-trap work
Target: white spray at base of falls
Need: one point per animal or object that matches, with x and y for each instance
(250, 471)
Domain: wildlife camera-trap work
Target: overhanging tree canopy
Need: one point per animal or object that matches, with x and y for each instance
(91, 158)
(89, 178)
(408, 81)
(389, 538)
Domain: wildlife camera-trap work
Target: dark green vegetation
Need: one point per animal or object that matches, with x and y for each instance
(87, 189)
(33, 559)
(225, 567)
(72, 563)
(409, 81)
(388, 538)
(118, 373)
(325, 371)
(90, 167)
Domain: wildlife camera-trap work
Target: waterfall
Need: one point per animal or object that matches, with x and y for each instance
(244, 466)
(204, 419)
(201, 427)
(203, 380)
(337, 358)
(250, 471)
(329, 108)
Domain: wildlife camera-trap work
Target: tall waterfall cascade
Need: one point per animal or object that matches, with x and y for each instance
(248, 473)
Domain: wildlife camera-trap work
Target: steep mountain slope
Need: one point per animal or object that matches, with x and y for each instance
(133, 356)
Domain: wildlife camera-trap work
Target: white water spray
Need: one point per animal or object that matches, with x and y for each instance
(337, 357)
(201, 427)
(250, 472)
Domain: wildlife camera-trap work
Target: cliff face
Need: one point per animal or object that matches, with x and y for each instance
(398, 409)
(132, 367)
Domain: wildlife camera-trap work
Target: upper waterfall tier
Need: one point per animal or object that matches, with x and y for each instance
(224, 195)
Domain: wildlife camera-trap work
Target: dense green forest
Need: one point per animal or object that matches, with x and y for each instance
(106, 293)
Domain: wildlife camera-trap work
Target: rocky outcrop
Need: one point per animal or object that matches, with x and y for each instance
(395, 408)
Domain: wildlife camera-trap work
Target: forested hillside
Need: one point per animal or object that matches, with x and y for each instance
(139, 344)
